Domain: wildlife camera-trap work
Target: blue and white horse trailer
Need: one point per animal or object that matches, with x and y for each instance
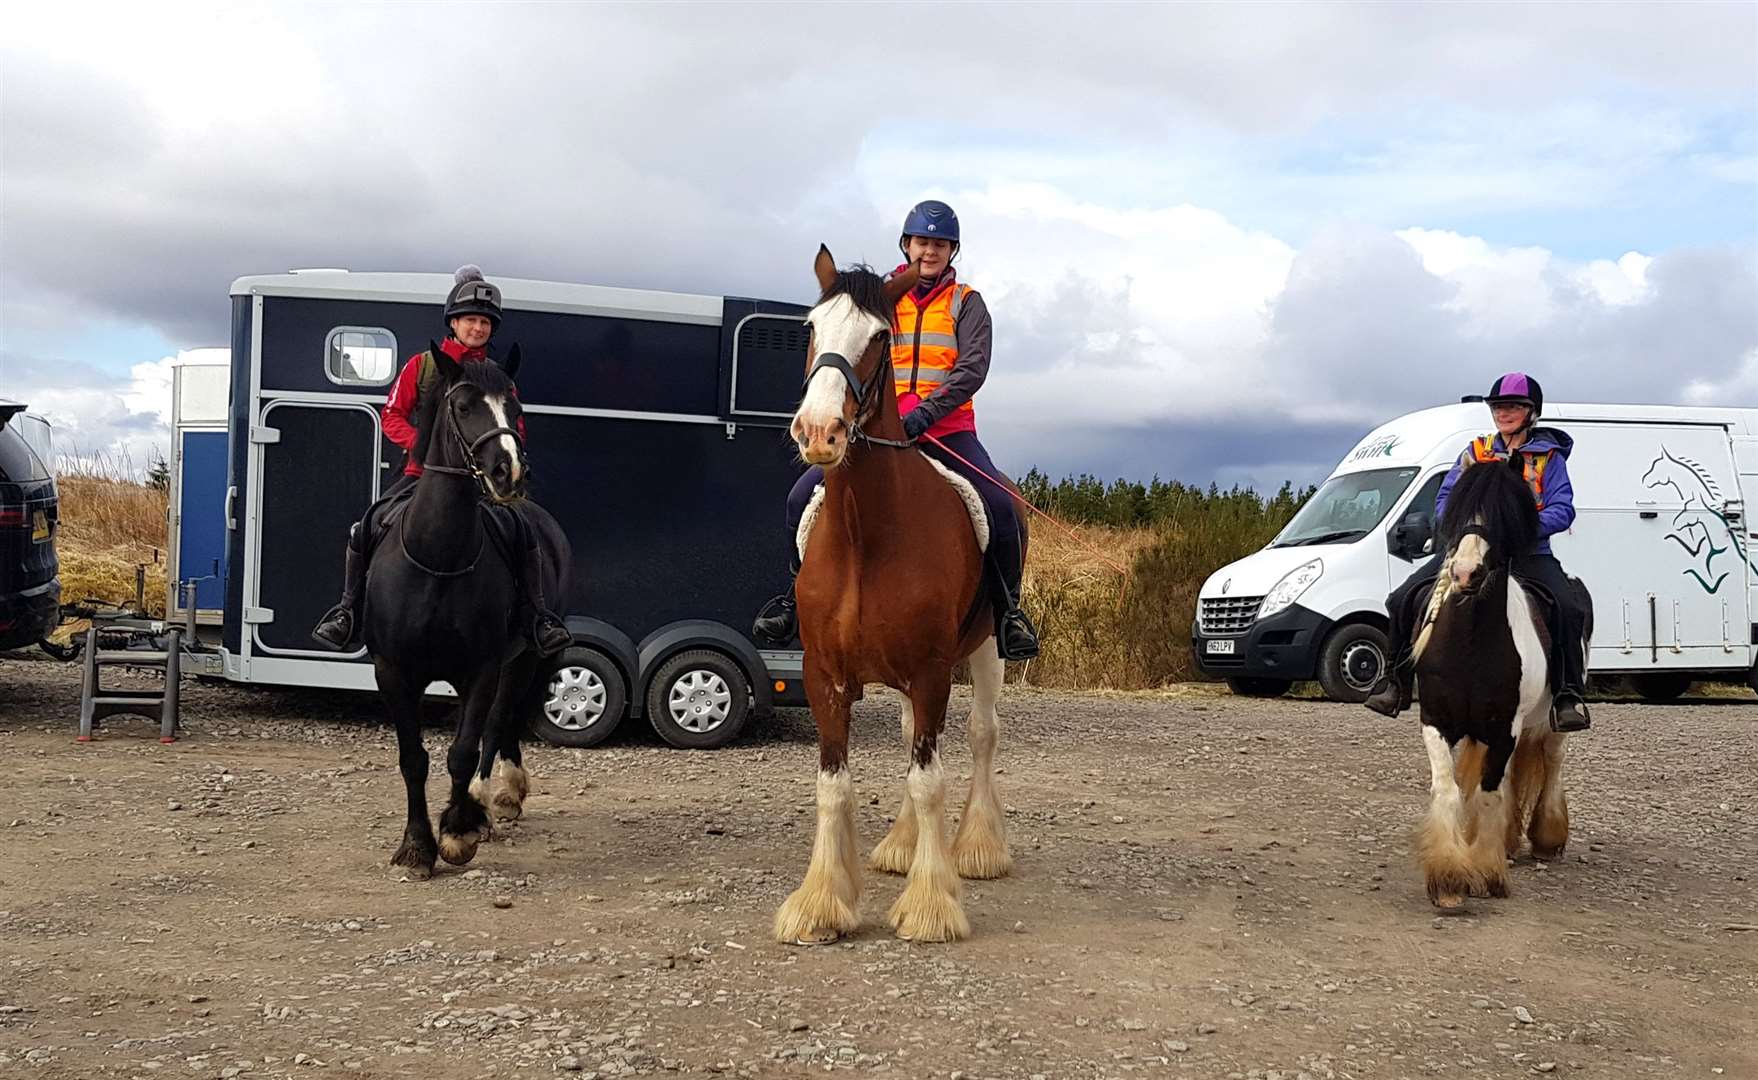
(657, 437)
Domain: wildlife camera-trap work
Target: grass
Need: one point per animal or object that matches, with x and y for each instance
(110, 525)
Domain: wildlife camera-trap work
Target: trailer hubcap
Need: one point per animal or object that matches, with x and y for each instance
(576, 699)
(700, 701)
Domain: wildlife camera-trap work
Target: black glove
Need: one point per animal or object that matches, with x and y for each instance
(915, 422)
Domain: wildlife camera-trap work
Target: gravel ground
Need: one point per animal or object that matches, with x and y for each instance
(1205, 886)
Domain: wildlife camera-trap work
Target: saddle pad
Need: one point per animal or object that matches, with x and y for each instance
(973, 505)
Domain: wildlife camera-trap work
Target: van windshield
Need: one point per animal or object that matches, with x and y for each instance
(1346, 508)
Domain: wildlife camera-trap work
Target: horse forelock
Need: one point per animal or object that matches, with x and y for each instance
(1495, 501)
(864, 288)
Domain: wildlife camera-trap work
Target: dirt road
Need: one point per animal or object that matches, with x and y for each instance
(1205, 886)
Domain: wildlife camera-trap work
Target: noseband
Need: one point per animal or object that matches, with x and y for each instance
(862, 394)
(468, 449)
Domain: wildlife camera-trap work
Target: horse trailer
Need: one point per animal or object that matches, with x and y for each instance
(656, 437)
(1662, 540)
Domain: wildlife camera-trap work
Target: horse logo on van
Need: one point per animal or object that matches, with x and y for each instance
(1700, 520)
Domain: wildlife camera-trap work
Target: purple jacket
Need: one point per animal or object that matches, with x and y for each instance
(1559, 495)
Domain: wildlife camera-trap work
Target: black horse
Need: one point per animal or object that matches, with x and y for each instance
(1483, 675)
(441, 601)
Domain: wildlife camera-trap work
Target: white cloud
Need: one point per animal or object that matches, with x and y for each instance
(119, 424)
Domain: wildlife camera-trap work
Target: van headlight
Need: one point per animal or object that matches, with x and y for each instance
(1291, 587)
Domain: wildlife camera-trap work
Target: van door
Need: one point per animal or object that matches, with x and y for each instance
(1653, 542)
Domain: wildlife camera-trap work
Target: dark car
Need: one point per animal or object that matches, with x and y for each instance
(30, 511)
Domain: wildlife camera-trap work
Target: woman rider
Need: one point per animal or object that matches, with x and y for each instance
(939, 358)
(1515, 402)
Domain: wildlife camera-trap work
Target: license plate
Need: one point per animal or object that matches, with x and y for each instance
(1220, 648)
(39, 526)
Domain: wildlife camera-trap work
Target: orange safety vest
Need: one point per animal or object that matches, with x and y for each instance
(924, 344)
(1483, 451)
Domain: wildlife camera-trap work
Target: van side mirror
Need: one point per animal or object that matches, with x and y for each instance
(1411, 538)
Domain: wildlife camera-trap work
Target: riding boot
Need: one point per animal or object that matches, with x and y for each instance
(779, 621)
(336, 629)
(548, 631)
(1015, 636)
(1392, 694)
(1568, 710)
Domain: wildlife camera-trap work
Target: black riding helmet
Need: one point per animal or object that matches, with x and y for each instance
(472, 295)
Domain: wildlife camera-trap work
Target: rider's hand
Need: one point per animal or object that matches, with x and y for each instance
(915, 422)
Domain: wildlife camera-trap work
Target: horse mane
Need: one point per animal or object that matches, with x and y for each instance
(865, 288)
(1495, 498)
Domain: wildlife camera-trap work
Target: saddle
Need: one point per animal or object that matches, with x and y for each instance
(967, 492)
(504, 524)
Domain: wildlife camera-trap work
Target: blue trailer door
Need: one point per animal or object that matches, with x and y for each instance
(201, 516)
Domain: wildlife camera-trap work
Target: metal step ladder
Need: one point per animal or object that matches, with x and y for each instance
(150, 644)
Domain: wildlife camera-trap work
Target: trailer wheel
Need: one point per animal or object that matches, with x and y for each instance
(1661, 685)
(699, 700)
(1351, 662)
(580, 701)
(1258, 686)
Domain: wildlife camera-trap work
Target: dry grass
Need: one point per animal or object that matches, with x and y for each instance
(109, 526)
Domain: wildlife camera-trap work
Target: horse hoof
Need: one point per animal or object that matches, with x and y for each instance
(1449, 901)
(820, 937)
(458, 850)
(506, 809)
(1547, 854)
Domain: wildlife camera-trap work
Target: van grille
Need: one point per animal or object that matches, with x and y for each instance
(1229, 614)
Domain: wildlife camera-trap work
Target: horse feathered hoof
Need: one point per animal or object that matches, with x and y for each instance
(416, 855)
(511, 787)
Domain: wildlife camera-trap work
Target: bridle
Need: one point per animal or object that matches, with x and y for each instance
(865, 396)
(468, 449)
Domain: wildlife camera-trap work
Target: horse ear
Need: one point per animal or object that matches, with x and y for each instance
(825, 267)
(448, 368)
(902, 283)
(511, 366)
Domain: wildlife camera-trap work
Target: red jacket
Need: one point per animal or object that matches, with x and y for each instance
(405, 398)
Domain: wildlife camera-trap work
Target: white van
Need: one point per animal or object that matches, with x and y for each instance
(1661, 539)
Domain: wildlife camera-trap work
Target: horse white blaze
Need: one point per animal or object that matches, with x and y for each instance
(840, 327)
(826, 905)
(1468, 558)
(980, 848)
(497, 407)
(929, 908)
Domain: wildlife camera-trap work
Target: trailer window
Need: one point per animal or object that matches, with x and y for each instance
(360, 355)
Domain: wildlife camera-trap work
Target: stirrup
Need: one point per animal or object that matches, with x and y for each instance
(1016, 638)
(335, 631)
(778, 622)
(1568, 713)
(549, 634)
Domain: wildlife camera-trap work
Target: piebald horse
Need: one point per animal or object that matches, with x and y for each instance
(891, 590)
(1483, 680)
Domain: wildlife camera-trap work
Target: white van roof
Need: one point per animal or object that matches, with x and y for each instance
(1432, 436)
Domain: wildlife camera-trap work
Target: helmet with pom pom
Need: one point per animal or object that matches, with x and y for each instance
(472, 295)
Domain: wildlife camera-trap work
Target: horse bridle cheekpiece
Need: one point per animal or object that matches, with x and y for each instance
(471, 469)
(840, 363)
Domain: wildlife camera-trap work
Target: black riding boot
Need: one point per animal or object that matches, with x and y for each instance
(548, 631)
(1568, 709)
(336, 629)
(779, 621)
(1015, 636)
(1392, 694)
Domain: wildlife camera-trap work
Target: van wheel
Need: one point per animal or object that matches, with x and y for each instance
(580, 701)
(1662, 685)
(1351, 662)
(1257, 686)
(698, 700)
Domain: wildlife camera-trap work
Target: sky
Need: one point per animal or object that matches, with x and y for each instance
(1219, 242)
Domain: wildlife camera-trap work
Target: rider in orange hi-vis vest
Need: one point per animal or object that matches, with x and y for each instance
(940, 346)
